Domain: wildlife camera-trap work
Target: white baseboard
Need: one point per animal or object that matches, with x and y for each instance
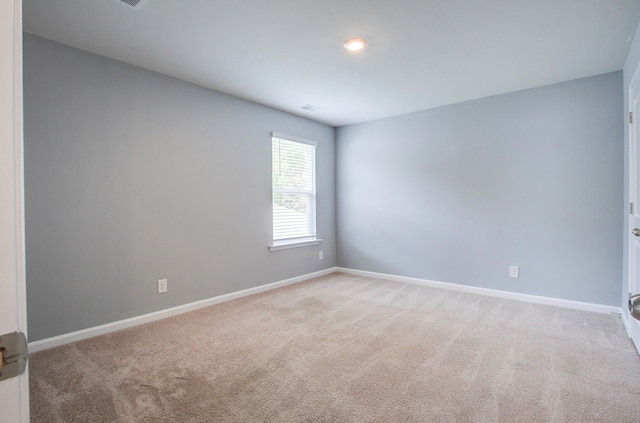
(162, 314)
(66, 338)
(576, 305)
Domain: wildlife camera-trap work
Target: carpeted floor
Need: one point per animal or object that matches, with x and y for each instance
(343, 348)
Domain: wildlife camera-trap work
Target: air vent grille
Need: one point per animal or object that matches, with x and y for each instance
(310, 108)
(134, 4)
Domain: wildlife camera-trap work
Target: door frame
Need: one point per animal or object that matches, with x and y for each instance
(14, 393)
(632, 327)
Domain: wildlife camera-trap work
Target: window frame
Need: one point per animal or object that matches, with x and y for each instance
(286, 243)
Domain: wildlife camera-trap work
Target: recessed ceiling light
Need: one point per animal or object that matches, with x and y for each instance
(355, 43)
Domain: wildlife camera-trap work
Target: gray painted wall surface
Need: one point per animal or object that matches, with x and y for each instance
(459, 193)
(132, 176)
(630, 66)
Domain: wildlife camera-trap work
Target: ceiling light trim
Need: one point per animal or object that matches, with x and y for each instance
(355, 43)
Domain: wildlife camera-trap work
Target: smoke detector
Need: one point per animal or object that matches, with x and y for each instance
(134, 4)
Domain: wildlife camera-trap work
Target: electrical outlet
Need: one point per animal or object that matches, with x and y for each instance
(320, 255)
(514, 272)
(162, 286)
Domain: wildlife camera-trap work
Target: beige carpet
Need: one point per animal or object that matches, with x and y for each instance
(343, 348)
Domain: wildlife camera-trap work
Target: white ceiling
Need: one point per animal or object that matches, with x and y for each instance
(288, 53)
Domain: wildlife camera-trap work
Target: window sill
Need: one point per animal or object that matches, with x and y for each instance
(276, 246)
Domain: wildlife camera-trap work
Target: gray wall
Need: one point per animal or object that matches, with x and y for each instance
(132, 176)
(633, 61)
(459, 193)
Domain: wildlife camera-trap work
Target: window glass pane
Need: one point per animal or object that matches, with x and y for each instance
(293, 189)
(293, 165)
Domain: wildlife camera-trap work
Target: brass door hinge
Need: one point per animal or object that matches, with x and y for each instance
(13, 355)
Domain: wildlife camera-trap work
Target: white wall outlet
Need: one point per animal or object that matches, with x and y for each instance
(321, 255)
(514, 272)
(162, 286)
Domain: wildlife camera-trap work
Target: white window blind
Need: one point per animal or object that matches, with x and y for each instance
(294, 189)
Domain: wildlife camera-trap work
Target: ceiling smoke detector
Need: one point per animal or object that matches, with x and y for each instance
(309, 108)
(134, 4)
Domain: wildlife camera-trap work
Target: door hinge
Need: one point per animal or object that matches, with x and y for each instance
(13, 355)
(631, 118)
(630, 208)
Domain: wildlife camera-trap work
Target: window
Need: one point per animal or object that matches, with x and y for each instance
(294, 192)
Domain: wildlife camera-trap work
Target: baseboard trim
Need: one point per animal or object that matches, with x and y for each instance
(66, 338)
(55, 341)
(576, 305)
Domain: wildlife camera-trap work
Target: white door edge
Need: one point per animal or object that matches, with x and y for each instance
(14, 393)
(631, 325)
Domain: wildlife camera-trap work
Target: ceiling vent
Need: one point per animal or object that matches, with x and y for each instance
(309, 108)
(134, 4)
